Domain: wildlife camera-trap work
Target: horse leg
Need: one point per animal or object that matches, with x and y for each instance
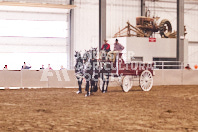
(92, 85)
(107, 83)
(79, 86)
(103, 86)
(106, 80)
(96, 84)
(103, 82)
(87, 88)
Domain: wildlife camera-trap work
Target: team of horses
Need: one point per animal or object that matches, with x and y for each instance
(91, 69)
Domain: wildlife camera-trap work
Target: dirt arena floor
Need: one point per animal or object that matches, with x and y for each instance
(163, 109)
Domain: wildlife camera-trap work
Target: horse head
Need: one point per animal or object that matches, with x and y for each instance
(103, 54)
(86, 55)
(77, 54)
(94, 53)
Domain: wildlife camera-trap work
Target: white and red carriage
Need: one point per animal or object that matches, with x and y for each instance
(126, 72)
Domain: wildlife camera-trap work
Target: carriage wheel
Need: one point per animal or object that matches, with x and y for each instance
(146, 80)
(100, 82)
(127, 83)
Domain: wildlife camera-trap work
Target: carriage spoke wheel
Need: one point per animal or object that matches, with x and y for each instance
(127, 83)
(146, 80)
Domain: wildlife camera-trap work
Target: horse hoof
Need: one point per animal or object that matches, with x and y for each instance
(86, 95)
(79, 92)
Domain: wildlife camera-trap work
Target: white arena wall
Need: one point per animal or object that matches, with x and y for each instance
(67, 79)
(37, 79)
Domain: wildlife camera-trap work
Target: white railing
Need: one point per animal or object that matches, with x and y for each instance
(169, 64)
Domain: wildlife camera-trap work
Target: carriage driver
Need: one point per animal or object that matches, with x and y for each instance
(104, 50)
(106, 46)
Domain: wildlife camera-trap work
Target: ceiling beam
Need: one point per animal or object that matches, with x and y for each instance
(37, 5)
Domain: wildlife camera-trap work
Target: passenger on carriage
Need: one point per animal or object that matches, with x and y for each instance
(117, 49)
(117, 46)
